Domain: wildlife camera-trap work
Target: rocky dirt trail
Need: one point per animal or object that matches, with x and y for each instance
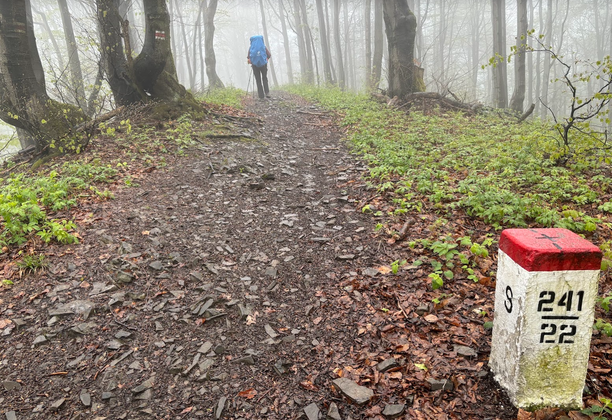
(233, 284)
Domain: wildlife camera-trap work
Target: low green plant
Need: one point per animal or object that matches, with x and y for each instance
(597, 412)
(603, 326)
(33, 262)
(230, 96)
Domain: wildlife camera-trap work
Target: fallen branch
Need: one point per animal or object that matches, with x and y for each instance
(526, 114)
(318, 114)
(228, 136)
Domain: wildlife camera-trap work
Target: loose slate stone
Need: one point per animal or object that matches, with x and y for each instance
(220, 407)
(333, 413)
(145, 395)
(205, 348)
(57, 404)
(371, 272)
(76, 307)
(387, 364)
(247, 360)
(39, 340)
(437, 384)
(312, 411)
(11, 385)
(346, 257)
(270, 331)
(121, 334)
(392, 411)
(157, 265)
(465, 351)
(107, 396)
(144, 386)
(245, 310)
(114, 345)
(271, 272)
(85, 399)
(11, 415)
(356, 393)
(124, 277)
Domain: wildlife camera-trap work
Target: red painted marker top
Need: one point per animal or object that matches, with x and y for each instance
(550, 250)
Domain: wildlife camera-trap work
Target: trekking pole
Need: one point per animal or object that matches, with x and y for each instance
(249, 84)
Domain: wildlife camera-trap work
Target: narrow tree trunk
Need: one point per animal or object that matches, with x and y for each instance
(201, 50)
(299, 31)
(530, 56)
(400, 24)
(265, 32)
(547, 58)
(281, 10)
(475, 47)
(339, 60)
(377, 58)
(500, 78)
(538, 90)
(324, 43)
(76, 79)
(186, 45)
(209, 33)
(45, 24)
(518, 96)
(367, 18)
(307, 42)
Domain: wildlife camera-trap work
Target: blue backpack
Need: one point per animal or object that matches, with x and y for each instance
(257, 52)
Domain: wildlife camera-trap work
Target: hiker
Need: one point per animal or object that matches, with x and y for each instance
(258, 57)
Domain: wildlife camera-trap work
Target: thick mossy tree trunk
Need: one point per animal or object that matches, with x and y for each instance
(400, 24)
(24, 102)
(151, 75)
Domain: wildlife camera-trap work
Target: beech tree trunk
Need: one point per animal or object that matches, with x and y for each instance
(152, 75)
(281, 11)
(400, 24)
(367, 18)
(377, 58)
(500, 72)
(324, 43)
(339, 60)
(267, 42)
(518, 96)
(76, 75)
(24, 102)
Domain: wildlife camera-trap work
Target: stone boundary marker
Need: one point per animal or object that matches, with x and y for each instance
(544, 308)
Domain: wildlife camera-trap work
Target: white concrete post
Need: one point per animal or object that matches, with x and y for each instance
(544, 308)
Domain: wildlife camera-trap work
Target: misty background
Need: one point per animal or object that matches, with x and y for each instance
(454, 45)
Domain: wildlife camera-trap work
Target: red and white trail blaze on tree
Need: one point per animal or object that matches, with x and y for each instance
(24, 102)
(151, 75)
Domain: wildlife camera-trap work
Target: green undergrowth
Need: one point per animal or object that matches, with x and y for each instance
(230, 96)
(434, 164)
(29, 203)
(493, 168)
(37, 203)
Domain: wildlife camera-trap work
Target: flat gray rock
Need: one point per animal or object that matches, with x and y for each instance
(354, 392)
(11, 385)
(220, 408)
(312, 411)
(333, 413)
(85, 399)
(76, 307)
(11, 415)
(387, 364)
(392, 411)
(465, 351)
(437, 384)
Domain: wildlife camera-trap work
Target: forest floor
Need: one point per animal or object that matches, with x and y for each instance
(240, 282)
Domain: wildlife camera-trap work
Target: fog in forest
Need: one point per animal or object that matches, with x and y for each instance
(454, 44)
